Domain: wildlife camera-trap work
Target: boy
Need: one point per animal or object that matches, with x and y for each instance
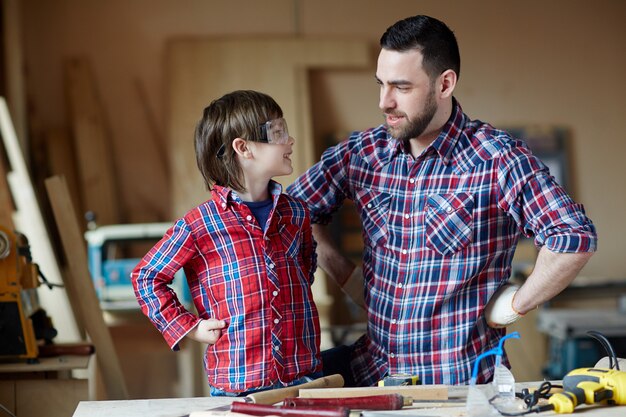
(248, 256)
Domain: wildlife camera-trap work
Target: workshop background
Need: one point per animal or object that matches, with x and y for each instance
(552, 70)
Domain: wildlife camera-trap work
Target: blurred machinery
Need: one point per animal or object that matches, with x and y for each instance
(23, 323)
(569, 345)
(113, 251)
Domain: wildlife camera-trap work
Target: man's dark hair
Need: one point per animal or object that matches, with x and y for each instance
(431, 37)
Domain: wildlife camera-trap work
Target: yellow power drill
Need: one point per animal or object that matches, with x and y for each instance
(589, 386)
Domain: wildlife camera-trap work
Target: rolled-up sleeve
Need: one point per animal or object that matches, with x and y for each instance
(151, 279)
(541, 207)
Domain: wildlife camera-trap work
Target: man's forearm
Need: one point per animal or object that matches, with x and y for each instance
(553, 272)
(329, 258)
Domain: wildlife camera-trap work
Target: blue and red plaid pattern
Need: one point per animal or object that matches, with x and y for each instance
(439, 233)
(258, 282)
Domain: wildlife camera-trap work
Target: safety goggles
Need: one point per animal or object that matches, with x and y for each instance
(273, 131)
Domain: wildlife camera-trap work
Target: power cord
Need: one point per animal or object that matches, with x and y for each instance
(531, 399)
(543, 392)
(607, 347)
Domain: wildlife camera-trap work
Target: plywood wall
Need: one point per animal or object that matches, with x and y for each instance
(531, 62)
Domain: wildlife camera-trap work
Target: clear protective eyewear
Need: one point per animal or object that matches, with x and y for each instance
(274, 131)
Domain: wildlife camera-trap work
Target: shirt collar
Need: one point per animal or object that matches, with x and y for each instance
(226, 196)
(450, 133)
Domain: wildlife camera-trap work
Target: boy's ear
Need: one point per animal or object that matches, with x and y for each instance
(240, 146)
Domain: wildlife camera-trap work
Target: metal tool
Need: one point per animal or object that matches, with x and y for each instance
(23, 323)
(589, 386)
(399, 380)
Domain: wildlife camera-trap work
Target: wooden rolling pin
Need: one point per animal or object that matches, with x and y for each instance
(274, 396)
(268, 410)
(374, 402)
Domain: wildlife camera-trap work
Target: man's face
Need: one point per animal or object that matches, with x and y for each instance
(407, 94)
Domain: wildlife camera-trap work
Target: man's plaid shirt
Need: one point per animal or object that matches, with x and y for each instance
(439, 231)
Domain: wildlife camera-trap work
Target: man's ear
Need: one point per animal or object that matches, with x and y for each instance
(447, 83)
(240, 146)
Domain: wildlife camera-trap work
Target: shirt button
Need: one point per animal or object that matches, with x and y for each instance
(369, 205)
(276, 321)
(399, 285)
(248, 217)
(271, 266)
(412, 180)
(449, 210)
(275, 293)
(224, 205)
(407, 216)
(392, 355)
(394, 321)
(404, 251)
(276, 348)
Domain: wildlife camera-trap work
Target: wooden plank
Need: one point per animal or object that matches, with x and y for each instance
(417, 392)
(28, 220)
(88, 304)
(61, 161)
(6, 201)
(92, 143)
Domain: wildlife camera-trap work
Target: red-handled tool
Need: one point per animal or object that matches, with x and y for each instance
(268, 410)
(374, 402)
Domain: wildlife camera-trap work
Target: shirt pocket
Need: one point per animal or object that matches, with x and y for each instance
(374, 210)
(290, 238)
(449, 222)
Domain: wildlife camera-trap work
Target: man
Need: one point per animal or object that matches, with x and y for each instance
(443, 200)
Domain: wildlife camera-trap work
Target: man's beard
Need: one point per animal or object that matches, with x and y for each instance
(417, 126)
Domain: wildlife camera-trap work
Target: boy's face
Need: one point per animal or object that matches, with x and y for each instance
(271, 160)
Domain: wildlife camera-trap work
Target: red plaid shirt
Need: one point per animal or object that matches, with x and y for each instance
(440, 231)
(258, 282)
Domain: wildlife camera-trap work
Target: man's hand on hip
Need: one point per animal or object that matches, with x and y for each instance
(499, 311)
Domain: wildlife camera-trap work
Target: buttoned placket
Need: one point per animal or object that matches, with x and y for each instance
(274, 290)
(411, 209)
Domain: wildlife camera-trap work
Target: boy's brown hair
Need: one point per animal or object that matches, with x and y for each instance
(238, 114)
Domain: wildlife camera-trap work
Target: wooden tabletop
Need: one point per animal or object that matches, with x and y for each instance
(58, 363)
(180, 407)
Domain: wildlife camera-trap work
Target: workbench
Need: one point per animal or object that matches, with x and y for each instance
(180, 407)
(43, 388)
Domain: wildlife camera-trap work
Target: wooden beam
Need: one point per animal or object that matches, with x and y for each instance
(28, 219)
(92, 143)
(82, 283)
(6, 201)
(416, 392)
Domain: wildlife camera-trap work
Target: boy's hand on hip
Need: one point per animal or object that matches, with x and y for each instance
(207, 331)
